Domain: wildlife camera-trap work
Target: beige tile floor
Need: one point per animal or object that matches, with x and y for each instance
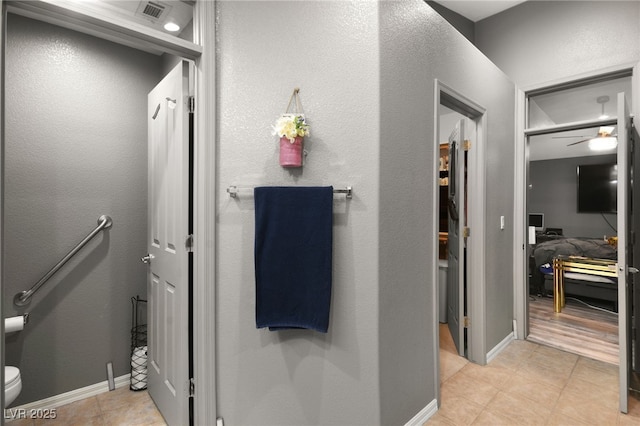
(116, 408)
(529, 384)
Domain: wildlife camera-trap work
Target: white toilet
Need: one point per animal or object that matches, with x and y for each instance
(12, 384)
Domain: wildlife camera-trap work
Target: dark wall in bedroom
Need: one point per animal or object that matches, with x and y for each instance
(554, 192)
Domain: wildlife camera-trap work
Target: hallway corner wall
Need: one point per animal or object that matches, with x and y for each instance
(417, 47)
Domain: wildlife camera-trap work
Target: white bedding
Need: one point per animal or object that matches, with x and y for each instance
(592, 278)
(546, 270)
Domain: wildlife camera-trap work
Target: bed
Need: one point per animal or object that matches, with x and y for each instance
(575, 284)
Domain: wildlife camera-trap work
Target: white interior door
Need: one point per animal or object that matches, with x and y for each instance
(455, 245)
(624, 248)
(168, 282)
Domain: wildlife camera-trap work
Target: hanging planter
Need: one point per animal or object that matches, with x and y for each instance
(292, 127)
(291, 152)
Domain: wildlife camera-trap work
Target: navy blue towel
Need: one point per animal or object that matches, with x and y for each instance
(293, 254)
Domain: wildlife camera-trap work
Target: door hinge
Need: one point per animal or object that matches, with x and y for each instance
(466, 145)
(467, 322)
(189, 243)
(192, 387)
(192, 104)
(466, 232)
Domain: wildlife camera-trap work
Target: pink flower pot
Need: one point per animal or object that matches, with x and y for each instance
(291, 153)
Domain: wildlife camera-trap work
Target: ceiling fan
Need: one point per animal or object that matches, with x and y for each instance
(604, 140)
(604, 134)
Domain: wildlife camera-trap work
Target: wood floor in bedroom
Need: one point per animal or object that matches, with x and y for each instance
(577, 329)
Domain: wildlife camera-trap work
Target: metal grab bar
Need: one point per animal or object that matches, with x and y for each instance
(24, 297)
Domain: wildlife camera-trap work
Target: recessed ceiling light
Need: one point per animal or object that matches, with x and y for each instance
(170, 26)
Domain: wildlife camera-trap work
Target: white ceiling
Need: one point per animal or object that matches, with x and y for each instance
(150, 13)
(176, 11)
(477, 10)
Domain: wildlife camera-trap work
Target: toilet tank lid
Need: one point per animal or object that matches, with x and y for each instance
(11, 374)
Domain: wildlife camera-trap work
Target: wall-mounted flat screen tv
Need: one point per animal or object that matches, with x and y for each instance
(597, 188)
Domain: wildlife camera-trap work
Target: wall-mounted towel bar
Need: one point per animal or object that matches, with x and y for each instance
(24, 297)
(348, 191)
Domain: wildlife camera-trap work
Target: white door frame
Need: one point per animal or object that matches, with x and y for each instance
(520, 262)
(77, 17)
(3, 20)
(623, 153)
(204, 286)
(476, 336)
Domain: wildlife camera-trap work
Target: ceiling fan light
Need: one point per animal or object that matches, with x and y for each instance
(603, 144)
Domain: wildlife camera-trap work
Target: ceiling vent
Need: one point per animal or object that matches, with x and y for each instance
(153, 11)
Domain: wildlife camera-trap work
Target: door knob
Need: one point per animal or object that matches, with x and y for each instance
(633, 270)
(147, 258)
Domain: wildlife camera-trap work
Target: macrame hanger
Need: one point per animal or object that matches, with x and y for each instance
(295, 96)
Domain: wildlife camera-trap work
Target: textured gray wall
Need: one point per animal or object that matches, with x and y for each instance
(540, 41)
(418, 46)
(330, 51)
(75, 149)
(554, 192)
(366, 76)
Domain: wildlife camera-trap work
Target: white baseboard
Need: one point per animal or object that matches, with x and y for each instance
(424, 414)
(500, 347)
(75, 395)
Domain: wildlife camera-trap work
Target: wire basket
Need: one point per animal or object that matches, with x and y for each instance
(138, 344)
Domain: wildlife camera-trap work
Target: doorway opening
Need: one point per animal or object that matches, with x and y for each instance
(111, 28)
(459, 203)
(563, 196)
(571, 210)
(582, 230)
